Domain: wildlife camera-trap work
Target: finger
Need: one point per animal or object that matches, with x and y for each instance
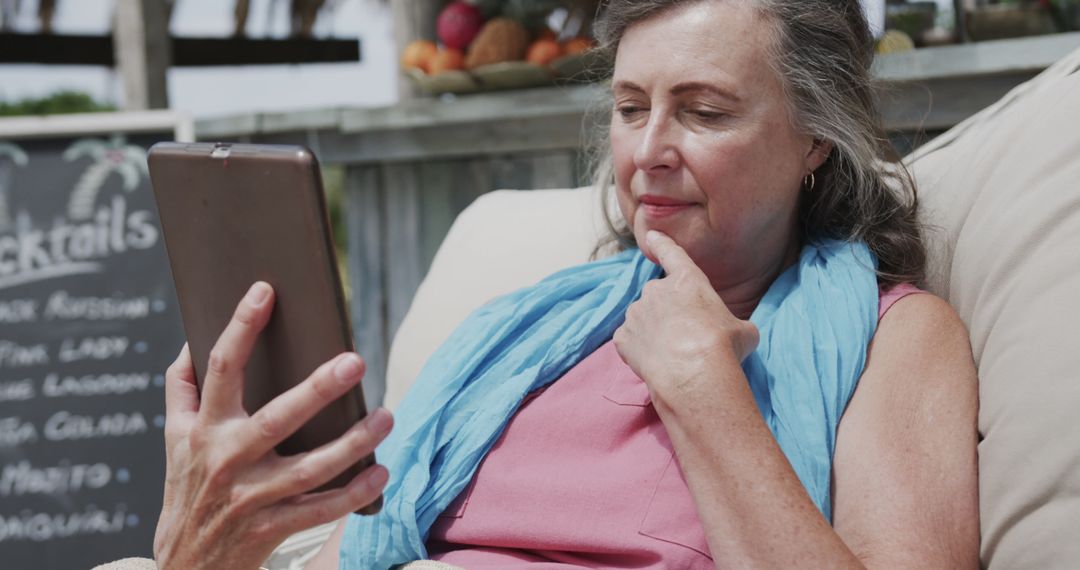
(181, 393)
(223, 387)
(314, 509)
(620, 339)
(301, 473)
(671, 256)
(283, 415)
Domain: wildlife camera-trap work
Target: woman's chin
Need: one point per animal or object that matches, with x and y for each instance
(639, 236)
(648, 253)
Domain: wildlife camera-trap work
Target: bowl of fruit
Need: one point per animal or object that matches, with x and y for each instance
(485, 47)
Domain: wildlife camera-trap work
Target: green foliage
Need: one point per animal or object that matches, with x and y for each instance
(61, 102)
(333, 178)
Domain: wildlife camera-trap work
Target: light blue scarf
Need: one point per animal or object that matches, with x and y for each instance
(815, 322)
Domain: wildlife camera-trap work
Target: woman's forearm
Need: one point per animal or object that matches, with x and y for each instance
(753, 507)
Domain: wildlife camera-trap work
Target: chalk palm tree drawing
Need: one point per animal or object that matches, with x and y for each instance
(9, 154)
(114, 155)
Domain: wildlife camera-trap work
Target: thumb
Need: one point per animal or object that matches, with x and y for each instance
(671, 256)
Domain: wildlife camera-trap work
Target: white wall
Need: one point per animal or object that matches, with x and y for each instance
(217, 91)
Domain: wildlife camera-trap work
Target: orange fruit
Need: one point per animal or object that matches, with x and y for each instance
(447, 59)
(543, 51)
(418, 55)
(575, 46)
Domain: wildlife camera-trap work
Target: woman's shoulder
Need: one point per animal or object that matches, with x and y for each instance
(920, 337)
(889, 294)
(913, 310)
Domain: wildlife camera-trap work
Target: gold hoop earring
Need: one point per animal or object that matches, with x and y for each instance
(809, 186)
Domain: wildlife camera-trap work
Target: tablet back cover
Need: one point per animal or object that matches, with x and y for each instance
(236, 214)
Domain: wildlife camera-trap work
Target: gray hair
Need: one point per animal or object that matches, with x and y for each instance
(822, 52)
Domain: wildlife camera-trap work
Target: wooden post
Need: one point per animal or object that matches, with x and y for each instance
(366, 222)
(413, 20)
(143, 50)
(960, 8)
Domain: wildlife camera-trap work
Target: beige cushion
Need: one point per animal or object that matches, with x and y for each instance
(1003, 190)
(503, 241)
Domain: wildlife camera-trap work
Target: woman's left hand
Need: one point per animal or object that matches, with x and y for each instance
(680, 328)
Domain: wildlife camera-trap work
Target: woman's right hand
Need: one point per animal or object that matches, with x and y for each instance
(229, 498)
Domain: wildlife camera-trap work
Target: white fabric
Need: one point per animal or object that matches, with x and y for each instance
(129, 564)
(429, 565)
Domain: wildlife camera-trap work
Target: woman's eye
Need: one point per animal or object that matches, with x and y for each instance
(706, 115)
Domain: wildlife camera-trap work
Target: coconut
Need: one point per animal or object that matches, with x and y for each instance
(501, 39)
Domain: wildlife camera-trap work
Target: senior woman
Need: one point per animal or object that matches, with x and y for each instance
(753, 406)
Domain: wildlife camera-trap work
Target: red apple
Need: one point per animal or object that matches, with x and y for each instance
(458, 24)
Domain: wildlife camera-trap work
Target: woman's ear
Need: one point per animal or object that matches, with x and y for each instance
(819, 153)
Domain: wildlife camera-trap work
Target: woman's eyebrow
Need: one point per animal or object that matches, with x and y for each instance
(623, 85)
(682, 88)
(693, 86)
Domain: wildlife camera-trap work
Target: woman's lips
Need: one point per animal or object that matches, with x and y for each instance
(662, 207)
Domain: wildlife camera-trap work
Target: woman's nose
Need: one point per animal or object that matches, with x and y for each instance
(657, 149)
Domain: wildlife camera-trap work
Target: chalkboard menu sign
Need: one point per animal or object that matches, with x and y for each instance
(88, 325)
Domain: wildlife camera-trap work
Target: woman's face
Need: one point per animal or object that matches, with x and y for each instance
(703, 144)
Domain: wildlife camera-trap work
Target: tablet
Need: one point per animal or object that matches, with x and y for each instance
(234, 214)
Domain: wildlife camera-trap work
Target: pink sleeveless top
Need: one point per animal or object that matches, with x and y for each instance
(583, 476)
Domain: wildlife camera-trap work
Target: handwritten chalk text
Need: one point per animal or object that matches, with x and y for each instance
(14, 431)
(61, 305)
(92, 348)
(24, 479)
(17, 390)
(15, 355)
(64, 425)
(40, 527)
(56, 386)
